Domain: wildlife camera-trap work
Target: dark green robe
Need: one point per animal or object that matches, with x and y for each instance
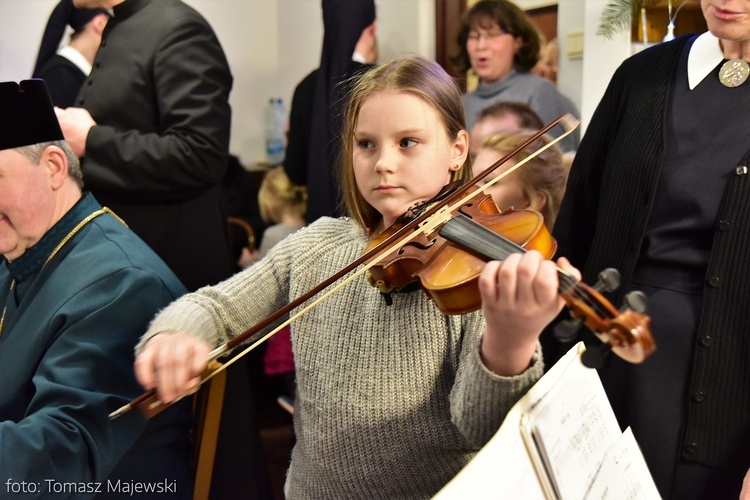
(66, 362)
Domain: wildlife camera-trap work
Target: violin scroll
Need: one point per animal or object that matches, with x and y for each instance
(625, 332)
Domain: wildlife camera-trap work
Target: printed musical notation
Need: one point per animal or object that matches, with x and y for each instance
(560, 441)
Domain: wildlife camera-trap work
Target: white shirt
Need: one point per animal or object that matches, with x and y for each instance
(76, 58)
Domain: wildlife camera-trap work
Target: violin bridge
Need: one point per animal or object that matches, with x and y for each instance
(434, 222)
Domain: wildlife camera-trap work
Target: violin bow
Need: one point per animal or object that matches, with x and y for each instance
(465, 193)
(149, 403)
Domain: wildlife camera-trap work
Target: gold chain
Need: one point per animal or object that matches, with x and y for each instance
(57, 249)
(5, 309)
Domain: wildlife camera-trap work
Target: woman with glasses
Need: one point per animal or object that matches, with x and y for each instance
(499, 43)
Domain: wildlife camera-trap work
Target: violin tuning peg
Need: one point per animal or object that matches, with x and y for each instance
(635, 301)
(567, 330)
(594, 357)
(608, 280)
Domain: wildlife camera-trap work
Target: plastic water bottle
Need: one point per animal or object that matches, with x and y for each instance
(275, 137)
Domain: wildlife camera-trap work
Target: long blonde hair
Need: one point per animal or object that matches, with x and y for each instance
(546, 173)
(412, 74)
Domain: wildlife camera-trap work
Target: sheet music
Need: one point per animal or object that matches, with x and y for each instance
(623, 474)
(502, 469)
(572, 428)
(561, 440)
(504, 464)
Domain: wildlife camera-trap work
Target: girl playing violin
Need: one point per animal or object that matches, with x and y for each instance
(392, 400)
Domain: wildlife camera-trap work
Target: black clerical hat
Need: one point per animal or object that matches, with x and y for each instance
(27, 115)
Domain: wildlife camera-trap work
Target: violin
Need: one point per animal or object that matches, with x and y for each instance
(421, 229)
(446, 263)
(447, 269)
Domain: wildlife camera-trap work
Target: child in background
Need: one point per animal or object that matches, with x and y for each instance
(392, 400)
(500, 117)
(283, 205)
(538, 185)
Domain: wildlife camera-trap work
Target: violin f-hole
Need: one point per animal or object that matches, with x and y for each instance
(418, 245)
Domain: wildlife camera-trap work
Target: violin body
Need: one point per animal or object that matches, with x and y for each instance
(446, 271)
(446, 263)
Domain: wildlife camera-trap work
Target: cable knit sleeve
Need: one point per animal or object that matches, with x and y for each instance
(221, 312)
(480, 399)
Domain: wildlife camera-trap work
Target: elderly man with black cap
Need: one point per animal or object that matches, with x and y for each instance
(77, 289)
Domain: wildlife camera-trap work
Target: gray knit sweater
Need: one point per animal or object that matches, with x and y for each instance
(392, 401)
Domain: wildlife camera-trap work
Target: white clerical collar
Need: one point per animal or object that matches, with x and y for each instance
(705, 55)
(76, 58)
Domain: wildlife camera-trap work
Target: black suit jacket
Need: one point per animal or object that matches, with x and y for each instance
(159, 93)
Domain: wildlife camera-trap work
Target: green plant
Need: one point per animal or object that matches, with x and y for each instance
(618, 15)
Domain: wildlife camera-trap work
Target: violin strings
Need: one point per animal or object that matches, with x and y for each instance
(570, 283)
(466, 232)
(581, 293)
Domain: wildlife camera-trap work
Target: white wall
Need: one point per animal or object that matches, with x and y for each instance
(602, 57)
(569, 71)
(21, 25)
(270, 45)
(585, 80)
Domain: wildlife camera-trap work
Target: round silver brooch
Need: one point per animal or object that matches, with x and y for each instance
(734, 73)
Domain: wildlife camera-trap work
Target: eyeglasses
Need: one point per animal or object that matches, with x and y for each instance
(490, 36)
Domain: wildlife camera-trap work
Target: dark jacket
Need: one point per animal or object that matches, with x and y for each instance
(63, 79)
(159, 93)
(602, 221)
(315, 121)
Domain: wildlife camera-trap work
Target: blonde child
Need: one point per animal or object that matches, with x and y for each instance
(539, 184)
(502, 116)
(282, 204)
(392, 401)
